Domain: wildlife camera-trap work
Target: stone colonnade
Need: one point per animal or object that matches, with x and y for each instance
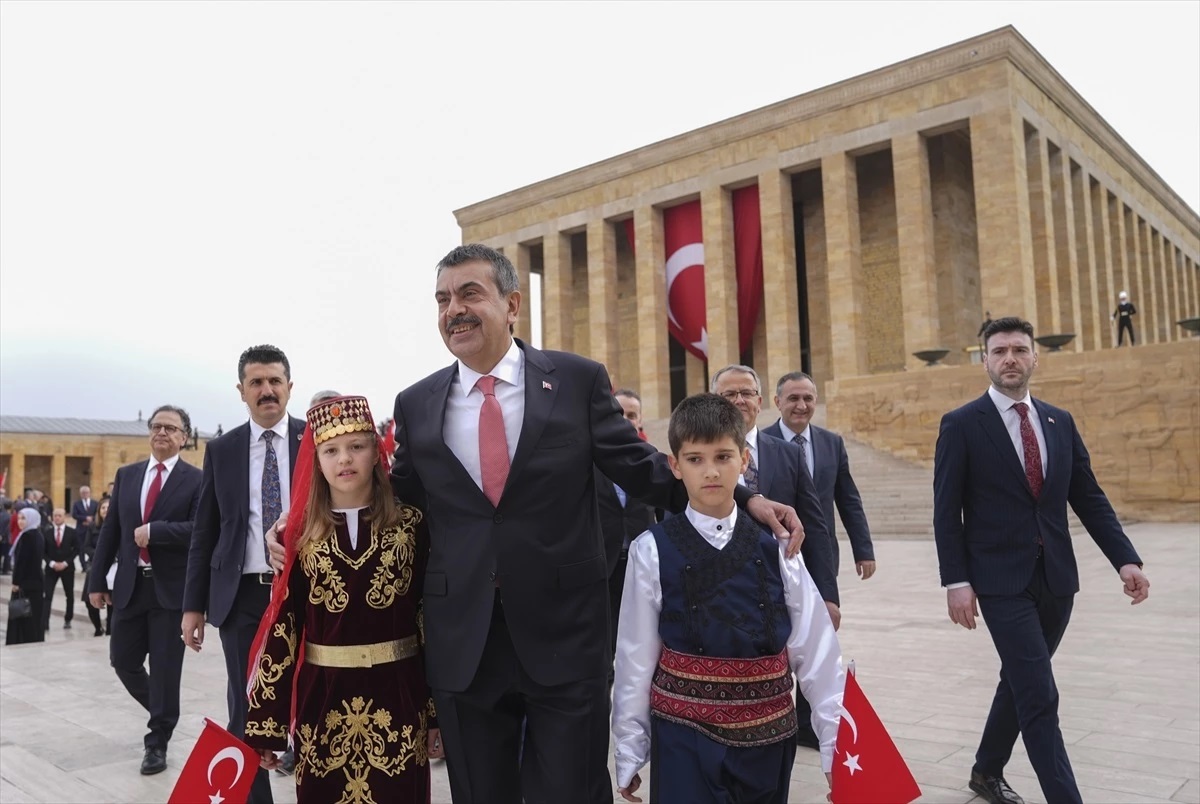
(876, 244)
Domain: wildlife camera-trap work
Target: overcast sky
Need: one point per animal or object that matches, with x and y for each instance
(179, 181)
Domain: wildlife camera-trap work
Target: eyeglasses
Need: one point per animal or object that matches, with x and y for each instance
(169, 429)
(744, 393)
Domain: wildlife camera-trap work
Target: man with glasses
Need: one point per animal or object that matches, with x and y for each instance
(247, 486)
(148, 530)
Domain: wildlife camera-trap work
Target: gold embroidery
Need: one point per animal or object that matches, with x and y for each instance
(355, 741)
(269, 671)
(265, 728)
(399, 550)
(327, 587)
(368, 551)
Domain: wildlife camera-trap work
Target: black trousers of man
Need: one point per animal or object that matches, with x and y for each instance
(511, 740)
(1124, 324)
(144, 628)
(67, 577)
(237, 637)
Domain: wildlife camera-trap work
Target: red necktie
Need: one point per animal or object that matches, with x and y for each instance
(493, 444)
(58, 536)
(1033, 456)
(151, 496)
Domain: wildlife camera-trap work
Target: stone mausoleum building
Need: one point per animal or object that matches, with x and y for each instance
(895, 209)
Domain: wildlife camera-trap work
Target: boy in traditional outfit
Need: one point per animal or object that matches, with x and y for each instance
(715, 620)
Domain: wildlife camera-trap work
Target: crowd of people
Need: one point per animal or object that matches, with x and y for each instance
(525, 577)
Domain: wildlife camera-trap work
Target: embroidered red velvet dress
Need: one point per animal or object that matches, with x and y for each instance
(350, 622)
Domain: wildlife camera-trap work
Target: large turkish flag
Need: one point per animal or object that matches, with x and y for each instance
(220, 769)
(867, 767)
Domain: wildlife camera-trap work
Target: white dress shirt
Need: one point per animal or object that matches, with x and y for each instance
(752, 445)
(148, 478)
(256, 554)
(461, 427)
(813, 650)
(1012, 423)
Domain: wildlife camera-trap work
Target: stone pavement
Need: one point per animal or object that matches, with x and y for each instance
(1129, 678)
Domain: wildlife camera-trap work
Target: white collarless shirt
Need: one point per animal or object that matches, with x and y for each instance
(460, 430)
(814, 653)
(255, 558)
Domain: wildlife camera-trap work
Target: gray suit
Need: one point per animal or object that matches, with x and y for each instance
(835, 486)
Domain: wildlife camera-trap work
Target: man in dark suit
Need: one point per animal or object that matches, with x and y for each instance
(1005, 468)
(147, 530)
(498, 450)
(62, 545)
(246, 487)
(826, 461)
(82, 511)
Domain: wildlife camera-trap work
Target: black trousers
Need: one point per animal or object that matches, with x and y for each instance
(67, 577)
(1123, 325)
(1026, 630)
(144, 628)
(237, 636)
(510, 740)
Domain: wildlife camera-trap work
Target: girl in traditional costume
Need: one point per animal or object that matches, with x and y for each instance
(337, 668)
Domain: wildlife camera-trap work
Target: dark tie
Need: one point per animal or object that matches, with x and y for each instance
(1033, 456)
(751, 475)
(151, 496)
(493, 443)
(272, 496)
(58, 536)
(801, 440)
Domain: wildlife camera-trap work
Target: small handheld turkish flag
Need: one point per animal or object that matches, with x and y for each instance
(867, 768)
(219, 770)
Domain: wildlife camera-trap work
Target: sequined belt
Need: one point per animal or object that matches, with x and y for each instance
(734, 701)
(360, 655)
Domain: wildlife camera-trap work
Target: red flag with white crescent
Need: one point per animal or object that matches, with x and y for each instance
(683, 236)
(748, 259)
(867, 766)
(220, 770)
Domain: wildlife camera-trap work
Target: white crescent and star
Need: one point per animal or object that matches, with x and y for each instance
(230, 753)
(852, 762)
(689, 256)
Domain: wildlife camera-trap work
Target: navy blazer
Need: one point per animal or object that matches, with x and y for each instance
(835, 486)
(619, 524)
(986, 521)
(170, 533)
(218, 552)
(781, 477)
(81, 511)
(542, 543)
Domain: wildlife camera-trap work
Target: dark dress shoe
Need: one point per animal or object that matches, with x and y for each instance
(993, 789)
(67, 624)
(99, 632)
(154, 761)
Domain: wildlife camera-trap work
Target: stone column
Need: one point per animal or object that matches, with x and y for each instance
(602, 293)
(58, 478)
(1123, 267)
(1002, 209)
(720, 278)
(1067, 291)
(1107, 253)
(914, 224)
(518, 255)
(1045, 256)
(558, 314)
(695, 374)
(780, 294)
(15, 482)
(654, 368)
(1144, 320)
(843, 246)
(1087, 273)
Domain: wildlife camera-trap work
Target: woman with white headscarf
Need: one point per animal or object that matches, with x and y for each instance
(27, 552)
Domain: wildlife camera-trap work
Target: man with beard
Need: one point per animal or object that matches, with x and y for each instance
(246, 488)
(1005, 468)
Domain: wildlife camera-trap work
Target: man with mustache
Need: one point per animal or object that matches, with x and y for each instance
(245, 489)
(498, 450)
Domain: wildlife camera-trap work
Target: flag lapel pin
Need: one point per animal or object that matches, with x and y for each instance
(1050, 419)
(547, 386)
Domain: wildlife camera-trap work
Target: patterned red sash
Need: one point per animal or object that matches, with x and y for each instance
(737, 702)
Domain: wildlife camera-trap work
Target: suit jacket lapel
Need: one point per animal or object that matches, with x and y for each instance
(823, 457)
(1054, 453)
(167, 489)
(993, 425)
(768, 456)
(540, 395)
(435, 413)
(295, 436)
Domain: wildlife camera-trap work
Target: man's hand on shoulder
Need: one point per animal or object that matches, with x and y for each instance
(275, 544)
(782, 519)
(1137, 585)
(962, 605)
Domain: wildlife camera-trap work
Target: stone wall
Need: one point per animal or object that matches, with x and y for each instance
(1137, 409)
